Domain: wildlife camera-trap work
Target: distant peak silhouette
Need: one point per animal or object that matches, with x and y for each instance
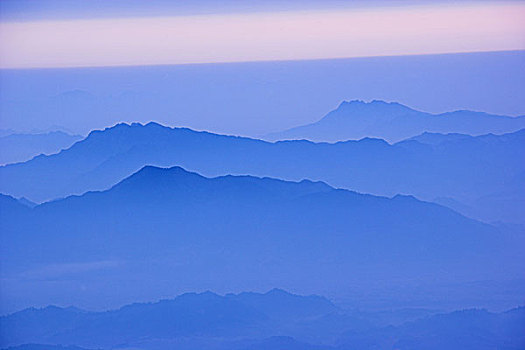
(394, 122)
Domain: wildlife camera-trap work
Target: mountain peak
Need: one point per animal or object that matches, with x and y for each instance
(394, 122)
(151, 176)
(130, 125)
(278, 291)
(151, 170)
(374, 105)
(173, 170)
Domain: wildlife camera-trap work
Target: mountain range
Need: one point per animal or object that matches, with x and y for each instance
(394, 122)
(167, 225)
(289, 217)
(272, 320)
(479, 176)
(431, 219)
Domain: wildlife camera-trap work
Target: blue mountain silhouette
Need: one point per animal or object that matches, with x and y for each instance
(189, 315)
(416, 167)
(244, 321)
(394, 122)
(466, 329)
(163, 225)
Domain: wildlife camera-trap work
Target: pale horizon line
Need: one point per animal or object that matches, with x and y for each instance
(266, 61)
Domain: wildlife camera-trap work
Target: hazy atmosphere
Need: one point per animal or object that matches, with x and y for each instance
(262, 175)
(257, 98)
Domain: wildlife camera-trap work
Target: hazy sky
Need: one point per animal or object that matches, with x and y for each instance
(258, 97)
(251, 98)
(62, 34)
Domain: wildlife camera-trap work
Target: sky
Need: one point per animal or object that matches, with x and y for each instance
(52, 34)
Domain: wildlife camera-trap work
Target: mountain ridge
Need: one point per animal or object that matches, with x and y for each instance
(248, 324)
(233, 228)
(394, 122)
(425, 169)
